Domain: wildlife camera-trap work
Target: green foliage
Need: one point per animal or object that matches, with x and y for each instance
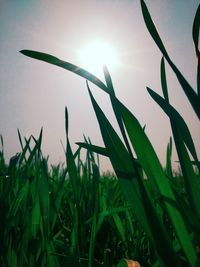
(72, 216)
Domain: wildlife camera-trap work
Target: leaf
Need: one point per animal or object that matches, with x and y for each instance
(66, 65)
(153, 169)
(134, 189)
(172, 113)
(71, 166)
(152, 29)
(117, 113)
(195, 35)
(97, 149)
(121, 163)
(168, 159)
(190, 93)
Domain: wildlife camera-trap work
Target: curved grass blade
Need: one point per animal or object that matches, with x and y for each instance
(153, 169)
(152, 29)
(164, 79)
(66, 65)
(192, 181)
(121, 163)
(117, 113)
(190, 93)
(97, 149)
(138, 199)
(195, 35)
(182, 136)
(108, 79)
(173, 114)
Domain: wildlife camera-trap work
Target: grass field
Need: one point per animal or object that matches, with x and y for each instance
(73, 216)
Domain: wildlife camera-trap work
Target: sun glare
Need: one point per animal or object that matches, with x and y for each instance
(95, 54)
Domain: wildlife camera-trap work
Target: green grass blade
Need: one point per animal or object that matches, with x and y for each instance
(168, 159)
(195, 35)
(182, 136)
(190, 93)
(192, 181)
(153, 169)
(164, 79)
(20, 139)
(117, 112)
(121, 163)
(152, 29)
(108, 79)
(173, 114)
(71, 165)
(97, 149)
(66, 65)
(120, 226)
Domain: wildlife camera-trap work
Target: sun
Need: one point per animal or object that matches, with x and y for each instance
(93, 55)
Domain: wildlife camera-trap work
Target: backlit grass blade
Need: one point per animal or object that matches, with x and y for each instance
(117, 112)
(153, 169)
(36, 151)
(164, 80)
(152, 29)
(173, 114)
(121, 163)
(25, 149)
(71, 166)
(120, 159)
(108, 79)
(195, 35)
(190, 93)
(66, 65)
(20, 139)
(192, 181)
(97, 149)
(168, 159)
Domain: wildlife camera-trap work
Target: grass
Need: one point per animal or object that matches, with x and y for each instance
(72, 216)
(62, 216)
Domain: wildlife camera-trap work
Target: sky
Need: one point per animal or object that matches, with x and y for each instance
(34, 94)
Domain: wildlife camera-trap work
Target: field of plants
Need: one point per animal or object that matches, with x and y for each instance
(70, 215)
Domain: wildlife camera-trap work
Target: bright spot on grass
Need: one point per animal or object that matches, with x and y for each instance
(93, 55)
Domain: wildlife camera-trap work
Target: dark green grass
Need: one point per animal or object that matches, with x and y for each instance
(47, 223)
(72, 216)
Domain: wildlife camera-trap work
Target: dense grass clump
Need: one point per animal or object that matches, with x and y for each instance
(72, 216)
(63, 216)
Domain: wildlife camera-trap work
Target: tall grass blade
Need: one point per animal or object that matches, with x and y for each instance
(97, 149)
(20, 139)
(117, 113)
(168, 159)
(190, 93)
(173, 114)
(71, 166)
(120, 159)
(66, 65)
(195, 35)
(153, 169)
(121, 163)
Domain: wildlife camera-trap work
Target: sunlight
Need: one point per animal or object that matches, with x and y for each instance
(95, 54)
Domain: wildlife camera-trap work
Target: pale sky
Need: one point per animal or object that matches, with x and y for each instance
(34, 94)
